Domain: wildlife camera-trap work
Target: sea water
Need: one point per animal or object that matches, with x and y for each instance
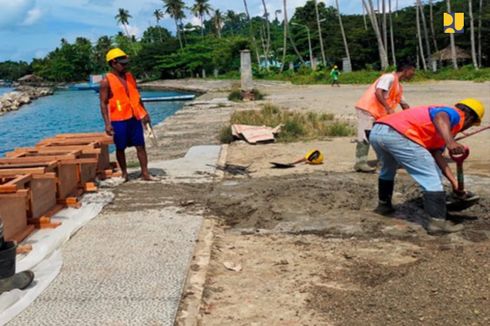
(67, 112)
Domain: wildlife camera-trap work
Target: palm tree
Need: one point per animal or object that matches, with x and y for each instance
(175, 9)
(368, 5)
(392, 38)
(158, 14)
(472, 33)
(122, 18)
(479, 33)
(254, 42)
(285, 38)
(451, 39)
(320, 32)
(218, 21)
(433, 33)
(344, 38)
(268, 35)
(200, 9)
(419, 34)
(426, 33)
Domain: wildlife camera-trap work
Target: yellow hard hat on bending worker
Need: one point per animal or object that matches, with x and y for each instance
(475, 106)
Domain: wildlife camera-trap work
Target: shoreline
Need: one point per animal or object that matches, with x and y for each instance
(21, 95)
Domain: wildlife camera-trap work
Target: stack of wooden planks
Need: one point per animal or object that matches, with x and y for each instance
(37, 182)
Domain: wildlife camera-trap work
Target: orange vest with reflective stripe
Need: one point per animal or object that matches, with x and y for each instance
(124, 104)
(368, 102)
(416, 125)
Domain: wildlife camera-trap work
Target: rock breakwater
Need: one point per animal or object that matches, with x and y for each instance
(22, 95)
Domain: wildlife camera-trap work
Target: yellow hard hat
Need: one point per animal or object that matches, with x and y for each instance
(314, 157)
(115, 53)
(335, 67)
(476, 106)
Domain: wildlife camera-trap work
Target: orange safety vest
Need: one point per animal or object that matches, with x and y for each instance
(416, 125)
(368, 101)
(124, 104)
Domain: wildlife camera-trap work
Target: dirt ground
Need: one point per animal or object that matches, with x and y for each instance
(308, 250)
(302, 246)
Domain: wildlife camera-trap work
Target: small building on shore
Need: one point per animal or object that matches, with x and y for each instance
(30, 80)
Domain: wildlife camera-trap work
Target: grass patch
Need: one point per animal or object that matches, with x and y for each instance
(225, 135)
(133, 164)
(296, 126)
(237, 96)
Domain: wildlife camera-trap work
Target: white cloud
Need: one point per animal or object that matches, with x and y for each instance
(33, 16)
(132, 30)
(13, 12)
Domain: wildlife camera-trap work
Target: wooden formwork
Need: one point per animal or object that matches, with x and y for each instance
(83, 142)
(14, 207)
(86, 164)
(66, 171)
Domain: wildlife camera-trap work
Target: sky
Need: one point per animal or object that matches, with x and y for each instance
(32, 28)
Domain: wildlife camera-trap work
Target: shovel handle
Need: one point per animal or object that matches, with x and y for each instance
(459, 158)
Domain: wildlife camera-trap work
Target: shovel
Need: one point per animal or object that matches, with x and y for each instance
(457, 203)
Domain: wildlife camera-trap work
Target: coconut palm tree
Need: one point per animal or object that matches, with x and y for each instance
(433, 33)
(254, 42)
(479, 33)
(267, 42)
(368, 5)
(451, 39)
(320, 32)
(472, 33)
(175, 9)
(419, 34)
(285, 34)
(122, 18)
(344, 38)
(200, 9)
(218, 21)
(158, 14)
(392, 37)
(426, 33)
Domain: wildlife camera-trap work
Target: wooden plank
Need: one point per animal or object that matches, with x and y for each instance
(35, 159)
(17, 171)
(13, 210)
(6, 189)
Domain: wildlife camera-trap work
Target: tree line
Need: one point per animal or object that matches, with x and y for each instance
(379, 38)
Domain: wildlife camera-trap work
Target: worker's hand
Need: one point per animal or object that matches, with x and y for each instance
(109, 130)
(455, 148)
(459, 194)
(146, 119)
(404, 106)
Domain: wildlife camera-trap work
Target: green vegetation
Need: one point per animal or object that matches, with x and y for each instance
(212, 47)
(296, 126)
(237, 96)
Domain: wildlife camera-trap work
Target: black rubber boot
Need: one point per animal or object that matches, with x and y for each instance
(435, 206)
(385, 193)
(8, 279)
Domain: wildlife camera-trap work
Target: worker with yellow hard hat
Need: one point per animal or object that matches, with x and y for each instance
(123, 111)
(335, 73)
(415, 139)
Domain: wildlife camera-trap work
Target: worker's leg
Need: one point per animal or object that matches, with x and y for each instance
(121, 160)
(422, 167)
(364, 122)
(138, 140)
(121, 140)
(143, 159)
(379, 135)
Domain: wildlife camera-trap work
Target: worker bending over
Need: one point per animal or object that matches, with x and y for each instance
(415, 139)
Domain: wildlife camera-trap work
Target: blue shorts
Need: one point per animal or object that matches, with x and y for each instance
(128, 133)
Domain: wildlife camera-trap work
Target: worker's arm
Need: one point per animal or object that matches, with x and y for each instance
(104, 108)
(404, 105)
(446, 170)
(380, 96)
(146, 119)
(443, 126)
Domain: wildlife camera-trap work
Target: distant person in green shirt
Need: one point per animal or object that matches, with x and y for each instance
(335, 73)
